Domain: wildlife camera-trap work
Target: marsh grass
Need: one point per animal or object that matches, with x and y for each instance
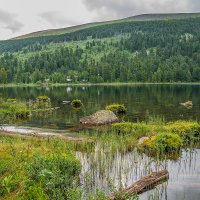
(164, 138)
(13, 109)
(107, 163)
(33, 168)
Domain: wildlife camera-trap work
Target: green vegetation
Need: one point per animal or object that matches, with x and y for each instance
(43, 99)
(38, 169)
(76, 103)
(117, 108)
(159, 137)
(124, 51)
(162, 143)
(42, 103)
(13, 109)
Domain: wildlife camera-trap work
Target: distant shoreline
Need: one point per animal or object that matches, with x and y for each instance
(97, 84)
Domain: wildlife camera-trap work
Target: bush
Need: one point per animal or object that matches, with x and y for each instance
(162, 143)
(34, 192)
(188, 130)
(117, 108)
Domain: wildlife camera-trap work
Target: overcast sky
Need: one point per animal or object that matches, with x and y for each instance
(19, 17)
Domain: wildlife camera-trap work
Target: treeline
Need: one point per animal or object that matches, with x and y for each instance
(154, 51)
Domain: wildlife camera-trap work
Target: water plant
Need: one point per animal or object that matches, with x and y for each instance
(162, 143)
(13, 109)
(76, 103)
(117, 108)
(189, 131)
(40, 104)
(43, 98)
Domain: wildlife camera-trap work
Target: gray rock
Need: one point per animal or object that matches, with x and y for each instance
(101, 117)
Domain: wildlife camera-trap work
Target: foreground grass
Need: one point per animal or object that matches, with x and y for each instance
(33, 168)
(46, 168)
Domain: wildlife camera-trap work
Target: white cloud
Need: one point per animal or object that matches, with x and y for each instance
(19, 17)
(113, 9)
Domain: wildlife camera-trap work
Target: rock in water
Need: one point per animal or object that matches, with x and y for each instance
(100, 118)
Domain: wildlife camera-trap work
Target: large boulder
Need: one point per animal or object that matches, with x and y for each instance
(100, 118)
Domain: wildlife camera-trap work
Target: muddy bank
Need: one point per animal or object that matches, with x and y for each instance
(27, 131)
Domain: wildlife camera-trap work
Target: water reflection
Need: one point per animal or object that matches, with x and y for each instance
(103, 170)
(141, 101)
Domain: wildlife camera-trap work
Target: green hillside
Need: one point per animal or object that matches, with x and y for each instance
(143, 17)
(144, 50)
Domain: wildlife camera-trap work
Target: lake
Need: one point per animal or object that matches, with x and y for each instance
(142, 101)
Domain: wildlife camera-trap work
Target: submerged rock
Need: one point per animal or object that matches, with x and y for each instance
(100, 118)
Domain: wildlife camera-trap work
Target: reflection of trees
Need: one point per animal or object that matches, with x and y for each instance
(161, 100)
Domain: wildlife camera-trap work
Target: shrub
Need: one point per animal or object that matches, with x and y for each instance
(34, 192)
(162, 143)
(117, 108)
(188, 130)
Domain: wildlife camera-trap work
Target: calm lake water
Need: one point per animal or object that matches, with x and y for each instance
(101, 168)
(142, 101)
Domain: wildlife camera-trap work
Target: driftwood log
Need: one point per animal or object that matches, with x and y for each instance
(145, 184)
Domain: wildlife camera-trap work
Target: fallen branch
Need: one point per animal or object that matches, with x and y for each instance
(145, 184)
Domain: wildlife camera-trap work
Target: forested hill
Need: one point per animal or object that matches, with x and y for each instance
(141, 50)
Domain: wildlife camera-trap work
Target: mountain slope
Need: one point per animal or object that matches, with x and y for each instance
(124, 51)
(143, 17)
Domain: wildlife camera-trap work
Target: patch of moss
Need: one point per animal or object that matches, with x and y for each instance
(42, 103)
(43, 98)
(76, 103)
(117, 108)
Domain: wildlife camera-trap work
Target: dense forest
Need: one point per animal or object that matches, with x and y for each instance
(143, 51)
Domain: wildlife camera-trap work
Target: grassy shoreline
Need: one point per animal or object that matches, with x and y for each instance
(96, 84)
(39, 161)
